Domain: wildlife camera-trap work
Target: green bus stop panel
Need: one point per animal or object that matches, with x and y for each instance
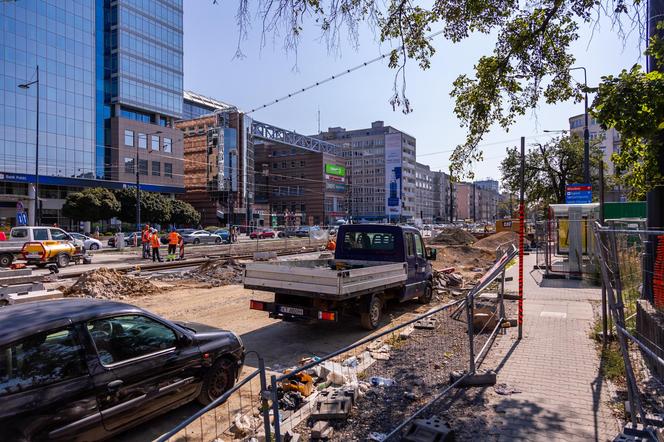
(632, 209)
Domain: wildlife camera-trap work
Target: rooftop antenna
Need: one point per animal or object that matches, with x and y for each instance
(318, 119)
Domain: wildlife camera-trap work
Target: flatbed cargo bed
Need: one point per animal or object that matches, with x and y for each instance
(330, 279)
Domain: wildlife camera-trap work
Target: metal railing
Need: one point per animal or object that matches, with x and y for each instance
(625, 268)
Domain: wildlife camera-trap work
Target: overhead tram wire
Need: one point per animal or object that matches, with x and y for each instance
(334, 77)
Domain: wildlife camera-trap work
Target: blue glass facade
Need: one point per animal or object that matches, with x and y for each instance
(148, 61)
(59, 37)
(191, 109)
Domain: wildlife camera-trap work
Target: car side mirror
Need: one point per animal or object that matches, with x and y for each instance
(431, 253)
(184, 340)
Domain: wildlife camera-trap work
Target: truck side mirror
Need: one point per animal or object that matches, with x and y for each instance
(431, 253)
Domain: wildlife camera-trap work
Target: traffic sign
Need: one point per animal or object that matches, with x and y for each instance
(579, 193)
(19, 206)
(21, 218)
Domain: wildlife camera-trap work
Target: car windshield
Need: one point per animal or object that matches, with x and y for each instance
(185, 231)
(368, 241)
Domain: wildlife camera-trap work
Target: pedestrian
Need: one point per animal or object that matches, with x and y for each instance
(173, 241)
(145, 241)
(155, 242)
(181, 248)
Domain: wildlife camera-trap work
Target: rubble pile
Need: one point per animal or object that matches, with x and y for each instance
(104, 283)
(453, 236)
(217, 273)
(497, 239)
(447, 278)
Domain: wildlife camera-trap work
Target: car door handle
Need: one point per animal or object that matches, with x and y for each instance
(114, 385)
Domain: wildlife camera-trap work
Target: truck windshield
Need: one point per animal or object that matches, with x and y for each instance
(368, 241)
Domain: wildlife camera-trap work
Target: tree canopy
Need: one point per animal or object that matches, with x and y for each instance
(633, 103)
(155, 208)
(91, 204)
(183, 213)
(549, 168)
(530, 62)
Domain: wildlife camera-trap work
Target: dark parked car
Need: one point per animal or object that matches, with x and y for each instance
(302, 231)
(288, 232)
(84, 369)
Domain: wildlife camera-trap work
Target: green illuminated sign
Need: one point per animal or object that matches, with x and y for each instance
(333, 169)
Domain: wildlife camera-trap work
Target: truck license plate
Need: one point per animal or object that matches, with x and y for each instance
(33, 256)
(291, 310)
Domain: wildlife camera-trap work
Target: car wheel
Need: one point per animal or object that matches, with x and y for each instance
(62, 260)
(427, 296)
(218, 380)
(371, 318)
(94, 246)
(6, 260)
(197, 241)
(217, 240)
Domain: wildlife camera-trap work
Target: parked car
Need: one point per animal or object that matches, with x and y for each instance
(262, 234)
(129, 239)
(302, 231)
(224, 234)
(84, 369)
(288, 232)
(191, 236)
(88, 243)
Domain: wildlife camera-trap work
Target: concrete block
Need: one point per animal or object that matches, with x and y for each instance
(264, 256)
(426, 323)
(18, 272)
(336, 405)
(319, 429)
(428, 430)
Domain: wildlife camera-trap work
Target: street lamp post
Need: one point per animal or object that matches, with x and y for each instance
(37, 208)
(586, 133)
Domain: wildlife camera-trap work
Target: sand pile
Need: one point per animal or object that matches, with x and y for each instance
(104, 283)
(493, 241)
(453, 236)
(217, 273)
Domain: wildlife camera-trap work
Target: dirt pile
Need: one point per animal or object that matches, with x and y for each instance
(104, 283)
(217, 273)
(453, 236)
(493, 241)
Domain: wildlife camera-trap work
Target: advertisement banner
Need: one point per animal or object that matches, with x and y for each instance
(393, 174)
(333, 169)
(335, 187)
(336, 179)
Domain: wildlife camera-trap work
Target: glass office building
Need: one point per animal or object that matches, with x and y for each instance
(105, 67)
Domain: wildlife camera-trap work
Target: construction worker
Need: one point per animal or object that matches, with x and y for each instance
(155, 243)
(145, 241)
(173, 241)
(331, 244)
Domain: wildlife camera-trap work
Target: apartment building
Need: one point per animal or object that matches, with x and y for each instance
(380, 164)
(441, 197)
(424, 193)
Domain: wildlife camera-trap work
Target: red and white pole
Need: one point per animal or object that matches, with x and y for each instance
(522, 229)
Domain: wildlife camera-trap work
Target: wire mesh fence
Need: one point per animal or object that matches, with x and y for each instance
(632, 267)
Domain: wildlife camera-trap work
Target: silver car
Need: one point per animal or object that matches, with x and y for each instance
(190, 236)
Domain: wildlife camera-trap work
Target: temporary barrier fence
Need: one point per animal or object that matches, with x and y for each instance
(239, 409)
(633, 293)
(261, 409)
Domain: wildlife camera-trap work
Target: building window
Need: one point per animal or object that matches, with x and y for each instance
(143, 167)
(129, 138)
(142, 141)
(168, 170)
(156, 168)
(275, 165)
(155, 142)
(292, 164)
(168, 145)
(302, 163)
(129, 165)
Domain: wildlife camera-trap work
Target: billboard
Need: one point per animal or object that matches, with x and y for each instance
(333, 169)
(393, 174)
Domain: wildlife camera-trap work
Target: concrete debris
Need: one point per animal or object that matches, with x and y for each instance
(244, 425)
(319, 428)
(428, 430)
(504, 389)
(381, 353)
(447, 278)
(406, 332)
(292, 437)
(104, 283)
(217, 273)
(350, 362)
(453, 236)
(332, 405)
(426, 323)
(378, 381)
(484, 319)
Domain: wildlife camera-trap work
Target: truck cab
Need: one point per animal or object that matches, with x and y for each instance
(373, 263)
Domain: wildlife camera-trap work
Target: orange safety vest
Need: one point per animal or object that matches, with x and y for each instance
(146, 236)
(173, 238)
(154, 240)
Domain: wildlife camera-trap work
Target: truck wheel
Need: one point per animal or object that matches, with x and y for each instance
(371, 318)
(62, 260)
(427, 296)
(6, 260)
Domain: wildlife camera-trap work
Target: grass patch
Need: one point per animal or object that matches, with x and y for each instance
(611, 362)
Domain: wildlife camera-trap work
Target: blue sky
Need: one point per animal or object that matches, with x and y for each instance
(354, 101)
